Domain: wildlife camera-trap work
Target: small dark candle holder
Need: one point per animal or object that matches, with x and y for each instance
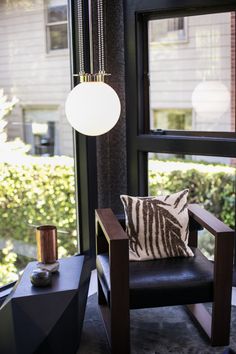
(41, 278)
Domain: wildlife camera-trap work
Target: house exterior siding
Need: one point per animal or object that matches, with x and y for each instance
(39, 79)
(177, 68)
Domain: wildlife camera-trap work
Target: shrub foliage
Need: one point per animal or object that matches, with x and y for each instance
(39, 192)
(210, 185)
(42, 191)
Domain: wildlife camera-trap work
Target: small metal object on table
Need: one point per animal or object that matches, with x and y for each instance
(46, 320)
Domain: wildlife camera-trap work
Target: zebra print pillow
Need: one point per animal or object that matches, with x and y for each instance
(157, 226)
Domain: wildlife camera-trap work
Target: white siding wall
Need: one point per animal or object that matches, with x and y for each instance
(176, 69)
(27, 71)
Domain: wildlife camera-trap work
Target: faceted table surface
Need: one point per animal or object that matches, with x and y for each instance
(46, 320)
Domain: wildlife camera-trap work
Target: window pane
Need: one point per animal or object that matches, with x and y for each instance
(192, 70)
(36, 144)
(170, 30)
(57, 14)
(211, 182)
(41, 131)
(58, 36)
(178, 119)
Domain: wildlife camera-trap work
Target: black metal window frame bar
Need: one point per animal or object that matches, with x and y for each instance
(84, 151)
(141, 139)
(84, 147)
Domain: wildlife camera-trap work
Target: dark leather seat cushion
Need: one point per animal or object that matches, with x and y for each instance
(164, 282)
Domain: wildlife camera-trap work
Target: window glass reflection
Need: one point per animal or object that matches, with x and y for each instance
(192, 69)
(210, 180)
(36, 144)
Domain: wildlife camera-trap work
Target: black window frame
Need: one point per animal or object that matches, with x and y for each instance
(84, 146)
(140, 140)
(84, 151)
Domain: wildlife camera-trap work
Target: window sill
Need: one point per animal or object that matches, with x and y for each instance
(57, 53)
(5, 291)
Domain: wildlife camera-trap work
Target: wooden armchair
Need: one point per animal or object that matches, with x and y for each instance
(124, 285)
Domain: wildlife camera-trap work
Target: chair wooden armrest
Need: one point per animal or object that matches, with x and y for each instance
(224, 242)
(108, 230)
(223, 270)
(209, 221)
(110, 224)
(112, 239)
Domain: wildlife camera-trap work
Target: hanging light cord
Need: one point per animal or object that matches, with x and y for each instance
(101, 57)
(100, 37)
(80, 37)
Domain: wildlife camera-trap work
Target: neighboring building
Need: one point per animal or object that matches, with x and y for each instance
(34, 67)
(184, 52)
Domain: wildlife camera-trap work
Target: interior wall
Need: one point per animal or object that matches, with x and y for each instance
(111, 147)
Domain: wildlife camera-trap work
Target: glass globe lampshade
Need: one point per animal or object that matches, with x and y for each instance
(210, 99)
(92, 108)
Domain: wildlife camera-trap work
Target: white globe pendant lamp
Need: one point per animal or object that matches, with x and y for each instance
(92, 107)
(211, 99)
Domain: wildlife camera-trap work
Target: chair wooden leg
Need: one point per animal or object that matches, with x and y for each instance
(201, 316)
(116, 325)
(220, 330)
(112, 239)
(105, 312)
(217, 325)
(221, 307)
(101, 296)
(221, 314)
(120, 332)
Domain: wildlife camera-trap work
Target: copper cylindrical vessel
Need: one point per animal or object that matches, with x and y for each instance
(46, 237)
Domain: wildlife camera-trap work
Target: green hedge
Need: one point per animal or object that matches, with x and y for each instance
(209, 184)
(35, 192)
(42, 191)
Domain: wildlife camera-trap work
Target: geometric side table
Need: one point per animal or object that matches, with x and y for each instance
(46, 320)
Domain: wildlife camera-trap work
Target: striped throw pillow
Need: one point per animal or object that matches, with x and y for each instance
(157, 227)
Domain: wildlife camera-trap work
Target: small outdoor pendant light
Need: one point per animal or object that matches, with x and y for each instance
(92, 107)
(211, 99)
